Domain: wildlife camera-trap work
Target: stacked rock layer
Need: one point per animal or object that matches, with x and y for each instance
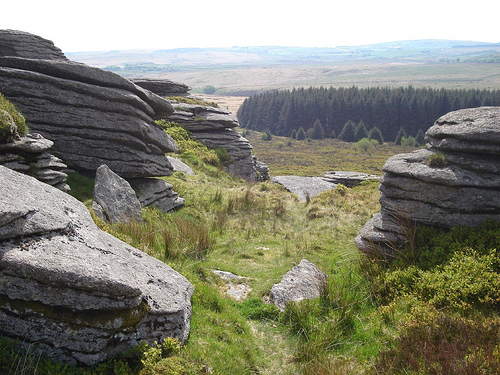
(29, 155)
(212, 126)
(79, 294)
(93, 116)
(455, 181)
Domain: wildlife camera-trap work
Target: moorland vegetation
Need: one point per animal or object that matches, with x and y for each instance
(432, 310)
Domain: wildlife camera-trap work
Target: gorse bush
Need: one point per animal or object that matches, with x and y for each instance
(190, 146)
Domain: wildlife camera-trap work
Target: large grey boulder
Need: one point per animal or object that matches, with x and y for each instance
(464, 190)
(304, 281)
(94, 117)
(79, 294)
(114, 199)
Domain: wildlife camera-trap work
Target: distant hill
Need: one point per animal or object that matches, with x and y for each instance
(428, 50)
(246, 70)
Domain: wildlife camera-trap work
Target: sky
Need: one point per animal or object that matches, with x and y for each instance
(101, 25)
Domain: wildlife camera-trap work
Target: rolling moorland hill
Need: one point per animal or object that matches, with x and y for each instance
(247, 70)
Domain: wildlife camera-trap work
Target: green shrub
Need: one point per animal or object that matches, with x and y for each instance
(437, 160)
(188, 145)
(17, 117)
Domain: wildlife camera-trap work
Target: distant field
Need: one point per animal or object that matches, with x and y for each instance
(243, 80)
(246, 70)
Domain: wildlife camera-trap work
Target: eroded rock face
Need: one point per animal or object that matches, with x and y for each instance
(464, 189)
(153, 192)
(93, 116)
(214, 127)
(77, 292)
(29, 155)
(162, 87)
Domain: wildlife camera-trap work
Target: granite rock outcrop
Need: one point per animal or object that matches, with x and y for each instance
(94, 117)
(214, 127)
(454, 181)
(29, 155)
(79, 294)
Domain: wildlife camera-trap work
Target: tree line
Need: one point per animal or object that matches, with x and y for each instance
(333, 112)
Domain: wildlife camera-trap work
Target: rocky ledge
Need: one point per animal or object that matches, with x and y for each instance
(94, 117)
(214, 127)
(79, 294)
(29, 155)
(455, 181)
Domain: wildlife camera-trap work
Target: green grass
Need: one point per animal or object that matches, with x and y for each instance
(286, 156)
(371, 317)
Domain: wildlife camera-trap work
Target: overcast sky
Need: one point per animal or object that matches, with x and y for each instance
(95, 25)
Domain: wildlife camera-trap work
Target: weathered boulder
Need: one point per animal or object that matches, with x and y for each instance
(79, 294)
(304, 281)
(462, 189)
(93, 116)
(114, 199)
(29, 155)
(304, 187)
(153, 192)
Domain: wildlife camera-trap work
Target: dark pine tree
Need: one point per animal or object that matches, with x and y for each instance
(347, 133)
(376, 134)
(317, 130)
(399, 136)
(420, 138)
(360, 132)
(301, 134)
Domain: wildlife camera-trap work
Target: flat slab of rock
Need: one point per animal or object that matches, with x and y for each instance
(180, 166)
(235, 288)
(467, 130)
(304, 281)
(349, 179)
(80, 294)
(162, 87)
(114, 199)
(304, 187)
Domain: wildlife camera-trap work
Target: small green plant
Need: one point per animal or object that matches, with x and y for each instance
(437, 160)
(12, 122)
